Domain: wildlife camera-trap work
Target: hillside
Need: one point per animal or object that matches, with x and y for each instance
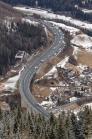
(72, 8)
(7, 10)
(15, 124)
(17, 34)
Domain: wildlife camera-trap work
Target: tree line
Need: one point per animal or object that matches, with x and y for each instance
(16, 124)
(60, 5)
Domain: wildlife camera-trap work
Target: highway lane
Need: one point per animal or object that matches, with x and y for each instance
(28, 73)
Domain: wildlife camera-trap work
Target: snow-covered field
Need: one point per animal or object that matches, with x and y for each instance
(86, 42)
(87, 11)
(29, 21)
(83, 40)
(46, 14)
(32, 10)
(63, 62)
(72, 30)
(11, 83)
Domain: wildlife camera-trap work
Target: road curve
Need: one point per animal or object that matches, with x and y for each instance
(27, 74)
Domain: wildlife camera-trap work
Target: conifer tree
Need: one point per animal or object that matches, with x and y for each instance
(0, 114)
(62, 134)
(75, 125)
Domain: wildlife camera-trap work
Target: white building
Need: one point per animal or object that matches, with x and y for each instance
(20, 56)
(73, 99)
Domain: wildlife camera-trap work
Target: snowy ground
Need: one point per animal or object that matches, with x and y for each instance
(72, 30)
(81, 67)
(89, 104)
(83, 40)
(63, 62)
(76, 111)
(32, 10)
(86, 42)
(87, 11)
(53, 71)
(46, 14)
(30, 22)
(11, 83)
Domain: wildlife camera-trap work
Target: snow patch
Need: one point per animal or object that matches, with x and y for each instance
(53, 88)
(53, 70)
(81, 67)
(29, 21)
(46, 103)
(75, 51)
(89, 104)
(83, 40)
(87, 11)
(72, 30)
(63, 62)
(11, 83)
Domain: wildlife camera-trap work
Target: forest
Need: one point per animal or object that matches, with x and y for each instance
(71, 6)
(16, 124)
(19, 36)
(16, 34)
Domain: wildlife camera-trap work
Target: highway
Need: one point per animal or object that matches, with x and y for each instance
(35, 63)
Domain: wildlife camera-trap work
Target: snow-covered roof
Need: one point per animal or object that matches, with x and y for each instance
(73, 99)
(20, 54)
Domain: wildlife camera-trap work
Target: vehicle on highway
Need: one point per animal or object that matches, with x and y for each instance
(42, 60)
(63, 42)
(28, 73)
(55, 54)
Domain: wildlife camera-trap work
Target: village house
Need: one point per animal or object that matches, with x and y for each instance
(72, 99)
(86, 70)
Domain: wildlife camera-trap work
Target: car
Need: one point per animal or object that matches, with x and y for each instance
(55, 54)
(63, 42)
(35, 67)
(42, 60)
(54, 48)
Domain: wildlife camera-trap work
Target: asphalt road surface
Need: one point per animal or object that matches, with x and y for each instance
(33, 64)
